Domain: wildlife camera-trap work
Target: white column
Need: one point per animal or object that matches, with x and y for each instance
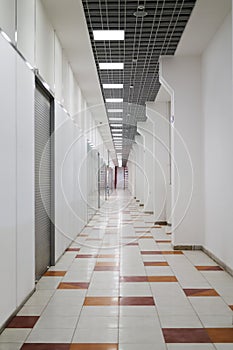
(146, 130)
(158, 115)
(140, 172)
(182, 77)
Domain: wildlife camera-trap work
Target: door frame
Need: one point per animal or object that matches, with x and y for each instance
(40, 85)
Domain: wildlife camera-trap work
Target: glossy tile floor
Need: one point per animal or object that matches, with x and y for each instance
(121, 286)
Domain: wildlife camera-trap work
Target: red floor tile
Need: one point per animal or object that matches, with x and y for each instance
(44, 346)
(23, 322)
(186, 335)
(73, 285)
(136, 301)
(201, 292)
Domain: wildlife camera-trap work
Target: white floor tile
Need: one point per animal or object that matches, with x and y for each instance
(190, 347)
(10, 346)
(180, 321)
(141, 335)
(210, 306)
(39, 335)
(95, 335)
(57, 322)
(98, 322)
(14, 335)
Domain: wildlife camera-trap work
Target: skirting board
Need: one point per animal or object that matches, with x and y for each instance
(16, 311)
(207, 252)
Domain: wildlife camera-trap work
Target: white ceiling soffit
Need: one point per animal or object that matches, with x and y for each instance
(163, 95)
(206, 18)
(68, 20)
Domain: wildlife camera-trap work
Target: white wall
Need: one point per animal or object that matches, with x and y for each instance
(218, 142)
(183, 76)
(17, 181)
(39, 45)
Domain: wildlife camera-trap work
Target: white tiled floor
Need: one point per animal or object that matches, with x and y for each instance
(141, 310)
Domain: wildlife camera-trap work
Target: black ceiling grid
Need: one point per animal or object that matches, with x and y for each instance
(146, 39)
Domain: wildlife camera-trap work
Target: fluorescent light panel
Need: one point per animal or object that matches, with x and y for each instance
(116, 130)
(109, 34)
(117, 135)
(116, 65)
(114, 100)
(115, 110)
(113, 86)
(116, 125)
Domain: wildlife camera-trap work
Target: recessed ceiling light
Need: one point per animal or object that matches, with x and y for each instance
(131, 86)
(116, 130)
(117, 135)
(113, 86)
(116, 119)
(114, 100)
(114, 110)
(111, 65)
(109, 34)
(117, 125)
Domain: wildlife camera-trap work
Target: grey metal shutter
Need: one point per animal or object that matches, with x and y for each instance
(42, 183)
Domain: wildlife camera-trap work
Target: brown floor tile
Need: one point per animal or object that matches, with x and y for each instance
(101, 301)
(172, 252)
(185, 335)
(231, 306)
(163, 241)
(83, 235)
(145, 237)
(55, 273)
(73, 285)
(44, 346)
(94, 346)
(107, 268)
(151, 252)
(201, 292)
(168, 233)
(157, 226)
(134, 279)
(132, 244)
(162, 279)
(136, 301)
(73, 249)
(106, 263)
(23, 322)
(220, 335)
(155, 263)
(86, 256)
(208, 268)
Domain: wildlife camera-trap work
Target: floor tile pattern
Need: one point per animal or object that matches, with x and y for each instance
(121, 286)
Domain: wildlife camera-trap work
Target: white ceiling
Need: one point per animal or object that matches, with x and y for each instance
(204, 21)
(68, 19)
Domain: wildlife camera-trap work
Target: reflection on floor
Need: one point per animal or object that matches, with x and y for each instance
(120, 286)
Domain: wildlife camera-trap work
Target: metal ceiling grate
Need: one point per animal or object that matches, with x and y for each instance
(146, 39)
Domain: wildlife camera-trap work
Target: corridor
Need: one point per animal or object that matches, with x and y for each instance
(121, 286)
